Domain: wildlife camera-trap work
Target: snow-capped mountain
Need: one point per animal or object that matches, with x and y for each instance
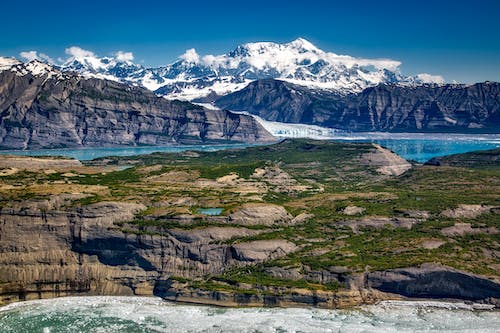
(44, 107)
(6, 63)
(110, 68)
(34, 67)
(300, 62)
(385, 107)
(195, 76)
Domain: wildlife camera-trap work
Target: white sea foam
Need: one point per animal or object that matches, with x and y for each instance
(142, 314)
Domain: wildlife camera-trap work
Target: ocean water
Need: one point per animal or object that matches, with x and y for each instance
(412, 146)
(147, 314)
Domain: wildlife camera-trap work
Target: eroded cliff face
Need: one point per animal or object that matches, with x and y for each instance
(37, 245)
(49, 250)
(425, 108)
(434, 281)
(66, 110)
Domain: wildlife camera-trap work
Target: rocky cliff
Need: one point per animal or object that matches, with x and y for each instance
(433, 281)
(47, 250)
(397, 108)
(41, 107)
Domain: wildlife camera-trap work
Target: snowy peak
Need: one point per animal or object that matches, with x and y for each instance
(300, 45)
(303, 44)
(195, 76)
(298, 61)
(6, 63)
(34, 67)
(119, 68)
(38, 68)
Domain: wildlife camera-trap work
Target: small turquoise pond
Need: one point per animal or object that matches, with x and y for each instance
(209, 211)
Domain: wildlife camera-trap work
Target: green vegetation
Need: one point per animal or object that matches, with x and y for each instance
(242, 170)
(303, 176)
(475, 159)
(256, 275)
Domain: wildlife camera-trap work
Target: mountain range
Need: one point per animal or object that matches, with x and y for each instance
(385, 107)
(43, 107)
(195, 76)
(92, 101)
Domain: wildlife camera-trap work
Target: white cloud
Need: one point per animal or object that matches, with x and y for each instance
(208, 59)
(78, 52)
(32, 55)
(29, 55)
(46, 58)
(190, 56)
(124, 56)
(429, 78)
(389, 64)
(349, 61)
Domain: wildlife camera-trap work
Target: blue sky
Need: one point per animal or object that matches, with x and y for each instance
(457, 39)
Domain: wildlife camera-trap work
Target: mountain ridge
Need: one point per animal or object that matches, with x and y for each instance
(389, 106)
(385, 107)
(195, 76)
(43, 107)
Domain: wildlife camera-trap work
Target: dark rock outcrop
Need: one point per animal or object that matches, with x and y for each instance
(475, 159)
(54, 109)
(48, 249)
(386, 107)
(268, 296)
(432, 281)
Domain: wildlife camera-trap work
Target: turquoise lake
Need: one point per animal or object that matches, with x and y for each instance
(422, 147)
(209, 211)
(422, 150)
(412, 146)
(86, 154)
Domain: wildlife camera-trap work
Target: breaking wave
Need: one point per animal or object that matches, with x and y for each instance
(148, 314)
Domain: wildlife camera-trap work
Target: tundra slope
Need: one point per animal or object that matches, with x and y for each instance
(303, 223)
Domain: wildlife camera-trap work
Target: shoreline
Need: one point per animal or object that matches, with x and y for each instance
(297, 299)
(445, 304)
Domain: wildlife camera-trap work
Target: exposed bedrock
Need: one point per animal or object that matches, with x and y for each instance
(49, 249)
(434, 282)
(46, 251)
(386, 107)
(70, 111)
